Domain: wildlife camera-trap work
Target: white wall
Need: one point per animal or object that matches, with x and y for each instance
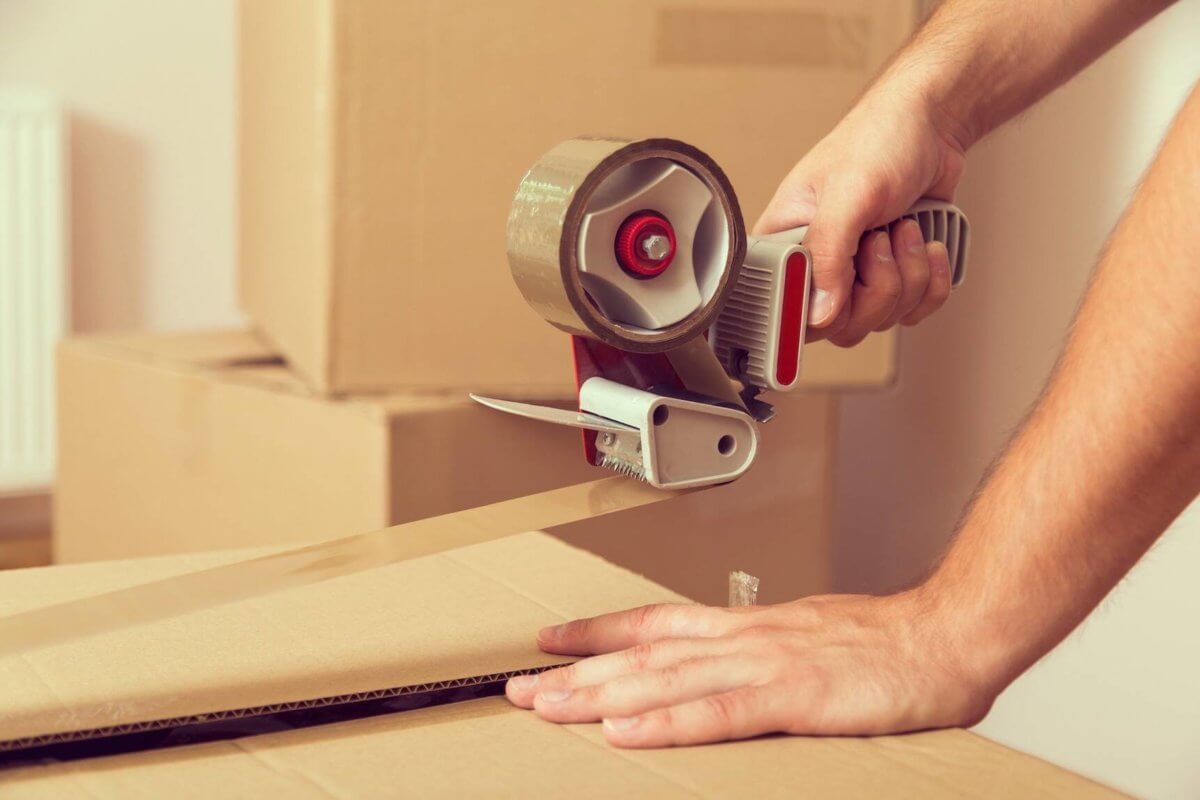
(149, 85)
(1119, 701)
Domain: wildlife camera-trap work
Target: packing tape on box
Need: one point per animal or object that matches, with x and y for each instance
(573, 181)
(289, 569)
(743, 589)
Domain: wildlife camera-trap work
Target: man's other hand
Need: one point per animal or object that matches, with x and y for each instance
(682, 675)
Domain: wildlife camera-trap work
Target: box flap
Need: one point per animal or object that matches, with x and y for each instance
(386, 609)
(208, 348)
(441, 617)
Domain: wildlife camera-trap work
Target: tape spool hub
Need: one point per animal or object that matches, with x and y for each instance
(652, 294)
(634, 244)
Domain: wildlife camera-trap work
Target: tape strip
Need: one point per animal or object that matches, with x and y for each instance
(743, 589)
(318, 562)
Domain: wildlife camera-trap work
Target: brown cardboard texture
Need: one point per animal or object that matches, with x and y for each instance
(181, 443)
(470, 611)
(381, 143)
(184, 442)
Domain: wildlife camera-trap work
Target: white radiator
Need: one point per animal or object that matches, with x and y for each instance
(33, 284)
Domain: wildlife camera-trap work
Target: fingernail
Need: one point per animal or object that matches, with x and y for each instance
(822, 306)
(883, 247)
(555, 695)
(551, 634)
(621, 723)
(913, 239)
(523, 683)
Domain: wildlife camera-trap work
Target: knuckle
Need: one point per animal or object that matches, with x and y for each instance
(723, 708)
(916, 275)
(603, 694)
(672, 678)
(563, 676)
(889, 289)
(644, 618)
(578, 629)
(639, 657)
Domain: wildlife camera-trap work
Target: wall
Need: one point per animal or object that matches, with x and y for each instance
(149, 86)
(1118, 701)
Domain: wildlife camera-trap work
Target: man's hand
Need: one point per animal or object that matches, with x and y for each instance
(682, 675)
(887, 153)
(972, 66)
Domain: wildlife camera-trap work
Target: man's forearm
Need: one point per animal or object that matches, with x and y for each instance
(1110, 455)
(977, 63)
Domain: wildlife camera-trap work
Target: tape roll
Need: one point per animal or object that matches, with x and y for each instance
(567, 216)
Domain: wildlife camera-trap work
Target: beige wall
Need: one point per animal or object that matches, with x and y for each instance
(149, 85)
(1120, 701)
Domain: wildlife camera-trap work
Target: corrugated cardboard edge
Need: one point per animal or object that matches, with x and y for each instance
(87, 734)
(274, 98)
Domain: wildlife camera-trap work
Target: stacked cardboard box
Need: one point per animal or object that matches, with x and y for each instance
(381, 143)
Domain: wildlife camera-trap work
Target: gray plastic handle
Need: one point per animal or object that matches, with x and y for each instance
(940, 221)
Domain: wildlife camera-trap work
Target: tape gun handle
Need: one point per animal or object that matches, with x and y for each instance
(940, 222)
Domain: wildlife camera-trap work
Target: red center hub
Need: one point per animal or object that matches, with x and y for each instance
(645, 244)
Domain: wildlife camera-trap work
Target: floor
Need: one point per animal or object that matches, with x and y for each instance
(25, 521)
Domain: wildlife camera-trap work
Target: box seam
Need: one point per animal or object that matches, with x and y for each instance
(620, 756)
(291, 773)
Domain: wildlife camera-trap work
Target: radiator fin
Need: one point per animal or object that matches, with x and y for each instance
(33, 284)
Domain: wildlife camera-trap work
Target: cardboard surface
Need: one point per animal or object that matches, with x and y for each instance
(474, 609)
(188, 442)
(381, 143)
(185, 442)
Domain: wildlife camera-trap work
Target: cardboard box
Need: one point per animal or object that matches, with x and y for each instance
(177, 443)
(184, 442)
(446, 618)
(381, 143)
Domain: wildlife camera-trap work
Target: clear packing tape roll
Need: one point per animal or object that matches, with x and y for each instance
(582, 183)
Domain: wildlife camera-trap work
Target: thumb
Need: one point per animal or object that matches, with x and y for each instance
(845, 212)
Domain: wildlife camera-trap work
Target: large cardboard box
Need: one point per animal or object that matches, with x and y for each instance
(382, 140)
(460, 618)
(187, 442)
